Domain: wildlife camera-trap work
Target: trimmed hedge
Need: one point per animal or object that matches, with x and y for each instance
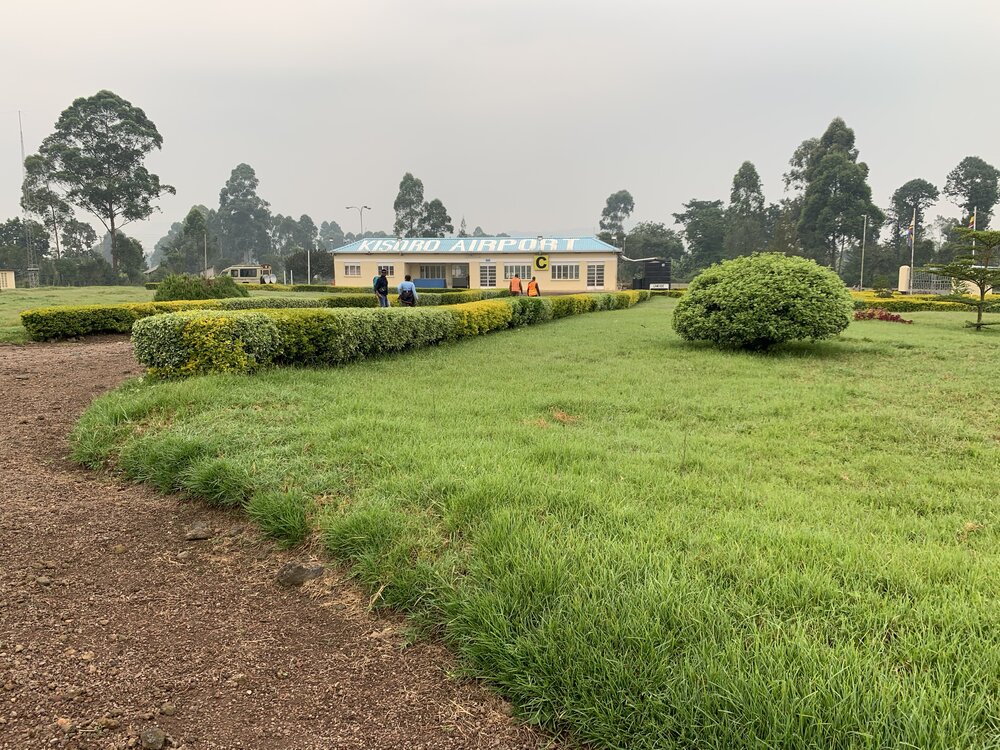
(66, 321)
(200, 341)
(918, 305)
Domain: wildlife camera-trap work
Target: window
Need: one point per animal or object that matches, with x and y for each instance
(389, 270)
(595, 276)
(249, 273)
(523, 271)
(433, 271)
(487, 275)
(565, 271)
(352, 269)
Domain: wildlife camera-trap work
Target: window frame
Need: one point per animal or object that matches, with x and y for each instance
(565, 271)
(523, 270)
(390, 270)
(435, 266)
(348, 269)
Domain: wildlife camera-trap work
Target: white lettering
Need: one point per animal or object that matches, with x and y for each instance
(550, 246)
(364, 247)
(432, 246)
(504, 244)
(570, 242)
(416, 246)
(526, 246)
(487, 246)
(389, 245)
(473, 246)
(458, 247)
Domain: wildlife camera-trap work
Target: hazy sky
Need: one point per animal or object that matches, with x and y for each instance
(522, 116)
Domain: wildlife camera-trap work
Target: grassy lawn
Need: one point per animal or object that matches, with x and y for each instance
(13, 301)
(643, 543)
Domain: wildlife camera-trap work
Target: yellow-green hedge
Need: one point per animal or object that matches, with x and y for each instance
(199, 341)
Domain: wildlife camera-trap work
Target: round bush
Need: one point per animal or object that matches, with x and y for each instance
(195, 287)
(761, 300)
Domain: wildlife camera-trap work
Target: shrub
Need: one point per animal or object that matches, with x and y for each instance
(761, 300)
(192, 342)
(878, 313)
(151, 285)
(526, 311)
(185, 287)
(475, 318)
(64, 321)
(883, 293)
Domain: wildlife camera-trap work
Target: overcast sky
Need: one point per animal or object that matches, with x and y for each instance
(521, 115)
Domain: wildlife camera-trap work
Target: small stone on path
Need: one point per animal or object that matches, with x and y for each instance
(153, 738)
(198, 531)
(295, 574)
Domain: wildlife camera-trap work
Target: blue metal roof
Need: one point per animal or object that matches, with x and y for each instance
(478, 245)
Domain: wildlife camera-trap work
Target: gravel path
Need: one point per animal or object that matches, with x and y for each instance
(112, 625)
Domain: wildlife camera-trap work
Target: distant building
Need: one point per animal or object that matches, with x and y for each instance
(7, 279)
(560, 264)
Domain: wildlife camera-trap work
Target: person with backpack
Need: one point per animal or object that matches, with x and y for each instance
(407, 292)
(382, 289)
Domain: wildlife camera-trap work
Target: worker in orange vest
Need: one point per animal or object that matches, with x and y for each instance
(515, 285)
(533, 289)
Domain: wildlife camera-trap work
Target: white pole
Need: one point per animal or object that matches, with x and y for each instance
(864, 236)
(309, 268)
(205, 235)
(913, 246)
(291, 274)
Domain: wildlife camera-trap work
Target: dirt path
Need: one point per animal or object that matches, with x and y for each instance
(111, 623)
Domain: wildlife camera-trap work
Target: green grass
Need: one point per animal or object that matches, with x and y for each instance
(643, 543)
(13, 301)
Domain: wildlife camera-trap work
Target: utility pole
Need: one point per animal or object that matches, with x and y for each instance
(864, 236)
(32, 268)
(913, 246)
(309, 268)
(205, 236)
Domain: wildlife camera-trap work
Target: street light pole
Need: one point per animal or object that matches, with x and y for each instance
(864, 236)
(361, 215)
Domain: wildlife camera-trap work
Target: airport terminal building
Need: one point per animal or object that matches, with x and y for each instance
(561, 265)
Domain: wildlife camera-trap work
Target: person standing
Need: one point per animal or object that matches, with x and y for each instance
(407, 292)
(382, 289)
(515, 285)
(533, 289)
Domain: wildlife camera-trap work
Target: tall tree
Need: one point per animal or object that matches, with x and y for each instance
(833, 209)
(194, 247)
(78, 239)
(618, 207)
(41, 199)
(331, 236)
(972, 186)
(917, 195)
(244, 217)
(436, 221)
(96, 158)
(22, 244)
(704, 225)
(409, 207)
(745, 216)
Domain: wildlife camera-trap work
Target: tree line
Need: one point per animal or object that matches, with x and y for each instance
(93, 164)
(826, 215)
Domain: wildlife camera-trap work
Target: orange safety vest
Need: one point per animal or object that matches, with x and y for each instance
(532, 288)
(515, 285)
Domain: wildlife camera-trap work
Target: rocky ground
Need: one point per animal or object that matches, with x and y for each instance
(134, 619)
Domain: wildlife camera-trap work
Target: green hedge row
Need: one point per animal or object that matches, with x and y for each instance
(65, 321)
(202, 341)
(905, 305)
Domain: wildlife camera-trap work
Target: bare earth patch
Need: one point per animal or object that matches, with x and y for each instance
(113, 624)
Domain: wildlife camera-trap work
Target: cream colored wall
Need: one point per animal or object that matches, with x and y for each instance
(370, 263)
(7, 280)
